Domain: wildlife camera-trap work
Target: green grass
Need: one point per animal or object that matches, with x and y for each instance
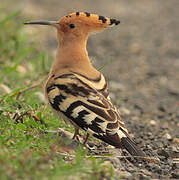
(26, 151)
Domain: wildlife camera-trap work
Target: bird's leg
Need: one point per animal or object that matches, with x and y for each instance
(76, 134)
(86, 138)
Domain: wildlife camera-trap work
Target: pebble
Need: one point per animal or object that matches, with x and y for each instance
(174, 149)
(163, 80)
(176, 140)
(116, 86)
(146, 172)
(135, 47)
(143, 177)
(124, 111)
(153, 122)
(164, 153)
(135, 118)
(21, 69)
(5, 88)
(167, 136)
(41, 97)
(162, 108)
(125, 174)
(112, 96)
(131, 169)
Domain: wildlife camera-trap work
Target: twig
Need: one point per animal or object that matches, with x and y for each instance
(26, 89)
(35, 85)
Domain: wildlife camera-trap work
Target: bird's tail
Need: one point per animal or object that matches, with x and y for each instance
(121, 140)
(131, 147)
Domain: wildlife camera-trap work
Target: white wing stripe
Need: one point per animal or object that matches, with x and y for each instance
(76, 111)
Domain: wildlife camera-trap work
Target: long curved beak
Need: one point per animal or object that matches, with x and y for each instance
(49, 23)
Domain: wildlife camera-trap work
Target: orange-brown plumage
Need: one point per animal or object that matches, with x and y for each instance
(76, 90)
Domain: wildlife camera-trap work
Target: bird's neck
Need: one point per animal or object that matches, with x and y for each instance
(72, 55)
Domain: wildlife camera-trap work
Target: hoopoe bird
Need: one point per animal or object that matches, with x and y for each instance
(76, 90)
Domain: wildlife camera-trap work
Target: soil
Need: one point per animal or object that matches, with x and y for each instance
(143, 72)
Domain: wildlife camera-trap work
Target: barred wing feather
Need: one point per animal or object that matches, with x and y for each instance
(86, 103)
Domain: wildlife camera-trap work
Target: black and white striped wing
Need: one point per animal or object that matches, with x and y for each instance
(85, 102)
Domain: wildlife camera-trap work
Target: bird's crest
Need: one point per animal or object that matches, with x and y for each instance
(93, 21)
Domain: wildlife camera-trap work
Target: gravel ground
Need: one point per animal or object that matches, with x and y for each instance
(143, 72)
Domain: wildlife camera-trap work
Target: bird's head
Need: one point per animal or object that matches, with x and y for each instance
(78, 25)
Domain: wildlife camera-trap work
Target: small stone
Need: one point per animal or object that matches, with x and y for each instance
(143, 177)
(116, 86)
(168, 136)
(135, 118)
(5, 88)
(131, 169)
(125, 174)
(176, 140)
(21, 69)
(135, 48)
(161, 108)
(124, 111)
(164, 153)
(174, 149)
(163, 80)
(146, 172)
(41, 97)
(112, 96)
(153, 122)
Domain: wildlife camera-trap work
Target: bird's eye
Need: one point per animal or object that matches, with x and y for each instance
(72, 26)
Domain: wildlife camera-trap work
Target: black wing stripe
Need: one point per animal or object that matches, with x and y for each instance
(79, 119)
(73, 89)
(98, 79)
(97, 103)
(64, 76)
(98, 120)
(50, 88)
(96, 110)
(103, 91)
(56, 101)
(80, 89)
(104, 87)
(95, 127)
(112, 114)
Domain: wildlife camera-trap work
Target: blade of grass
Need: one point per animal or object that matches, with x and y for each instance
(105, 64)
(9, 17)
